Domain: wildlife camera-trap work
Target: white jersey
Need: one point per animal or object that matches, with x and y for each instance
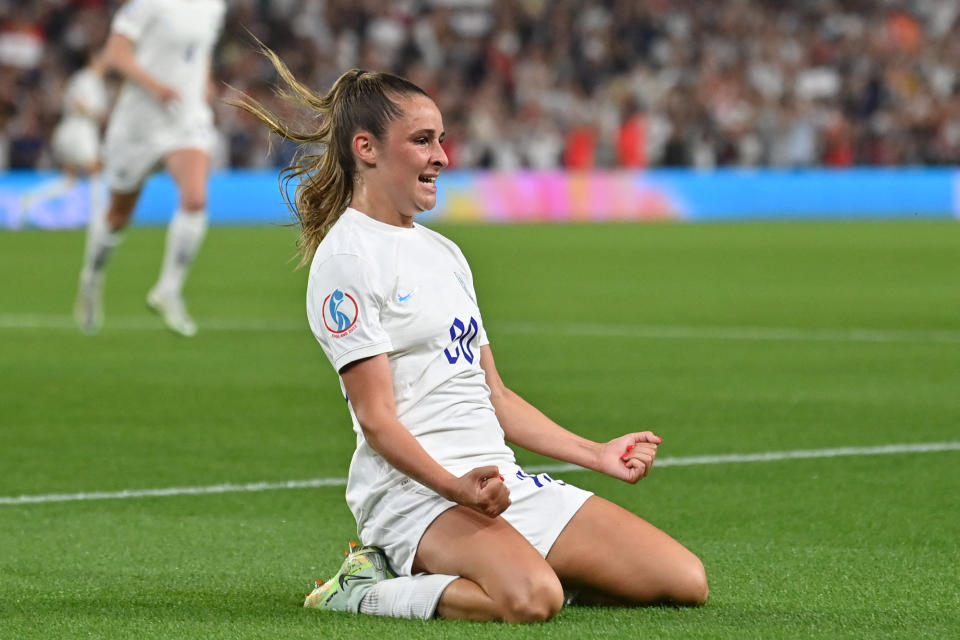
(76, 138)
(174, 41)
(407, 292)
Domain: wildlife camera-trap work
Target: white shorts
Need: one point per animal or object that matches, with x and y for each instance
(76, 143)
(540, 508)
(133, 151)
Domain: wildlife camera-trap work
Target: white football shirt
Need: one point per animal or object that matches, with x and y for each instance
(76, 138)
(407, 292)
(174, 41)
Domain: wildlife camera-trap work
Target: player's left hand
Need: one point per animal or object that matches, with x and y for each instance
(630, 457)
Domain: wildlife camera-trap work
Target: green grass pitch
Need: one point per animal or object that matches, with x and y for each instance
(725, 339)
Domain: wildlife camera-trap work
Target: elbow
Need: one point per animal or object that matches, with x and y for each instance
(371, 436)
(371, 421)
(109, 58)
(112, 65)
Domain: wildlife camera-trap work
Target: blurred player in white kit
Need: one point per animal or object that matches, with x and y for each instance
(163, 50)
(76, 138)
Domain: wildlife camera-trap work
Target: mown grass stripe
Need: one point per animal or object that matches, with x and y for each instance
(683, 461)
(640, 331)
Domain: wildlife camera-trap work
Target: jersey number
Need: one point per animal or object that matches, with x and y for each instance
(463, 334)
(540, 479)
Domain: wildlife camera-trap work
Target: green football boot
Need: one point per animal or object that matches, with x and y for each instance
(362, 568)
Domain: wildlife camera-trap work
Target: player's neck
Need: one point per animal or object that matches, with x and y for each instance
(378, 207)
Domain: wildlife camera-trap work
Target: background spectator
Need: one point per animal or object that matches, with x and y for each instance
(530, 83)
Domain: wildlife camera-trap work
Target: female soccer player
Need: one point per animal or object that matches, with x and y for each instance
(75, 142)
(76, 138)
(438, 497)
(162, 48)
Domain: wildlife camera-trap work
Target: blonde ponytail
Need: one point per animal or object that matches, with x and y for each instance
(358, 101)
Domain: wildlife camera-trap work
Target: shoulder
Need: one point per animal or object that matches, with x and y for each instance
(345, 237)
(135, 8)
(217, 10)
(438, 238)
(346, 250)
(133, 15)
(353, 275)
(443, 243)
(213, 13)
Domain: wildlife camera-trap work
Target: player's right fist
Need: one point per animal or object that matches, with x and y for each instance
(483, 489)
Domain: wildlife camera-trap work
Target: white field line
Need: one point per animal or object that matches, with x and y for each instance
(640, 331)
(734, 458)
(786, 334)
(773, 456)
(149, 323)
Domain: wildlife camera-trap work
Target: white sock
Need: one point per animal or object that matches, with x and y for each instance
(406, 596)
(98, 193)
(101, 241)
(184, 237)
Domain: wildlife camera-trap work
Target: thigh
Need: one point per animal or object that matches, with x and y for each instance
(189, 169)
(487, 551)
(541, 506)
(128, 162)
(614, 556)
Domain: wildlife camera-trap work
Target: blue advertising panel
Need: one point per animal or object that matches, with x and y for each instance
(42, 200)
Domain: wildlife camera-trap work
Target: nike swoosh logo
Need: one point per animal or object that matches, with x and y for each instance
(347, 578)
(401, 298)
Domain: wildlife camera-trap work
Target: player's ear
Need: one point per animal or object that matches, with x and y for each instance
(364, 147)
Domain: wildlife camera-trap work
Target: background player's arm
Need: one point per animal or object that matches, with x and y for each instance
(369, 385)
(628, 457)
(120, 54)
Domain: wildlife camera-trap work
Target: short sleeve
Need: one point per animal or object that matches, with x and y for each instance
(343, 307)
(132, 18)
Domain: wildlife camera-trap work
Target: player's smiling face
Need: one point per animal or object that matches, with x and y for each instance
(410, 158)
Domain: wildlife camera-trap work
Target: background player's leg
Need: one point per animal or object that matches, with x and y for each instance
(189, 169)
(104, 232)
(502, 577)
(98, 191)
(47, 191)
(615, 557)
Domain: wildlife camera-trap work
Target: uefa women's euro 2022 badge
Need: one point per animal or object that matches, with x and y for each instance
(340, 313)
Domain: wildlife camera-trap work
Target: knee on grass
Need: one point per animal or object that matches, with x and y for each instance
(536, 599)
(690, 588)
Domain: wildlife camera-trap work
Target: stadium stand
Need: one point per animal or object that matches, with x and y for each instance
(532, 83)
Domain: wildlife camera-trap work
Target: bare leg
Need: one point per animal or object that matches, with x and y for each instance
(185, 234)
(502, 576)
(187, 228)
(190, 169)
(616, 557)
(47, 191)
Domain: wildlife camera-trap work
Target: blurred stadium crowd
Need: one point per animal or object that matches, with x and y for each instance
(542, 84)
